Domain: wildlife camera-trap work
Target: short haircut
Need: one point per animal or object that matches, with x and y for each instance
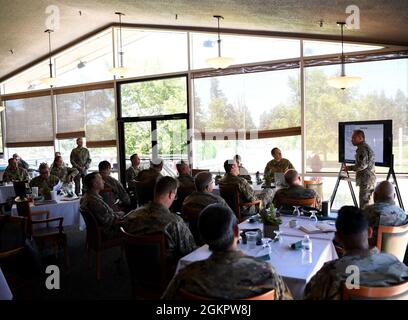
(133, 156)
(228, 165)
(181, 164)
(11, 160)
(291, 176)
(89, 180)
(104, 165)
(164, 185)
(202, 180)
(237, 157)
(351, 221)
(43, 165)
(360, 132)
(273, 150)
(80, 138)
(216, 225)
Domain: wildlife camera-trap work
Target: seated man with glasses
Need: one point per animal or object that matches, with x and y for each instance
(45, 181)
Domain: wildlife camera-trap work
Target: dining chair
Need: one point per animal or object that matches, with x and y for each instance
(393, 240)
(396, 292)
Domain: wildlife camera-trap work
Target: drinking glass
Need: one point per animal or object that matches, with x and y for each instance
(313, 215)
(296, 211)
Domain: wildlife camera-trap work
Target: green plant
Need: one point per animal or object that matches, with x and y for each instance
(268, 216)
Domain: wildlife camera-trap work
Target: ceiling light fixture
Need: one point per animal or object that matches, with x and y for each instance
(343, 81)
(120, 71)
(50, 81)
(219, 62)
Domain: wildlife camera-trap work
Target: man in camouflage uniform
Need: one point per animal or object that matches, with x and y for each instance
(118, 191)
(156, 217)
(246, 192)
(243, 172)
(133, 170)
(227, 273)
(14, 173)
(20, 162)
(81, 161)
(203, 196)
(45, 180)
(384, 211)
(156, 166)
(64, 173)
(375, 269)
(92, 202)
(278, 164)
(364, 167)
(294, 191)
(185, 179)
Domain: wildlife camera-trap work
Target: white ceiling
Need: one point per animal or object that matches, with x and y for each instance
(22, 22)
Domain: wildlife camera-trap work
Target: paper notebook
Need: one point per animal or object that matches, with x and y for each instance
(318, 228)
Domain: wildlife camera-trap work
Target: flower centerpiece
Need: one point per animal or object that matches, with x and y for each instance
(270, 221)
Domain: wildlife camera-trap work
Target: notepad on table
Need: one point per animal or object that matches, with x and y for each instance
(318, 228)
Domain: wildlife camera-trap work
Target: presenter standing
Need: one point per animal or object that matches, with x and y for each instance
(364, 167)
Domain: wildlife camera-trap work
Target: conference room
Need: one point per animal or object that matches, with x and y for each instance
(200, 137)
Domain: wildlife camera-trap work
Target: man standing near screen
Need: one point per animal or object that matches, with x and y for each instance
(364, 167)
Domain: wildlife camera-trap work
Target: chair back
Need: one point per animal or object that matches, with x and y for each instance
(12, 233)
(195, 171)
(192, 214)
(182, 193)
(185, 295)
(393, 240)
(397, 292)
(145, 191)
(146, 259)
(93, 231)
(311, 202)
(230, 193)
(23, 210)
(107, 195)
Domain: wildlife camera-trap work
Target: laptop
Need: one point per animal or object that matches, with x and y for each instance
(280, 180)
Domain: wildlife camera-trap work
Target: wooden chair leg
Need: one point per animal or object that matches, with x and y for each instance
(98, 265)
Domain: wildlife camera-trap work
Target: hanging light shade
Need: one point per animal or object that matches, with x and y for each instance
(219, 62)
(343, 81)
(51, 80)
(120, 70)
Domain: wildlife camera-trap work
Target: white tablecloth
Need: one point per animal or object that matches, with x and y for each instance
(5, 292)
(286, 230)
(257, 189)
(287, 262)
(6, 192)
(67, 209)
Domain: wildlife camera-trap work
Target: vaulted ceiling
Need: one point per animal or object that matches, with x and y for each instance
(22, 22)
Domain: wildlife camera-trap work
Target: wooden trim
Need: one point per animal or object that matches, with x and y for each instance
(249, 135)
(82, 88)
(30, 144)
(375, 292)
(26, 95)
(389, 230)
(70, 135)
(101, 144)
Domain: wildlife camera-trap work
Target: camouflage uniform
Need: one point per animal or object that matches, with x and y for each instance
(105, 216)
(80, 158)
(64, 173)
(186, 181)
(365, 173)
(148, 174)
(385, 214)
(131, 174)
(243, 173)
(41, 183)
(247, 193)
(376, 270)
(295, 192)
(22, 164)
(153, 218)
(228, 275)
(276, 166)
(118, 190)
(18, 174)
(199, 200)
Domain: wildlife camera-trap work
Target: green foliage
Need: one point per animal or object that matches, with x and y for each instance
(268, 216)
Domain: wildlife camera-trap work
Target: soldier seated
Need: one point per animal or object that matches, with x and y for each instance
(294, 191)
(243, 172)
(227, 273)
(155, 217)
(45, 180)
(375, 269)
(151, 174)
(14, 173)
(133, 171)
(277, 164)
(384, 211)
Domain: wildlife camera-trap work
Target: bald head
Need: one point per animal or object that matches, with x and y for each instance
(292, 177)
(384, 192)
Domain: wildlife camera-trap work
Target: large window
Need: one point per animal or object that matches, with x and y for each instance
(382, 94)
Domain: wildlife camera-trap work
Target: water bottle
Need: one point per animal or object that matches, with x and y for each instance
(306, 250)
